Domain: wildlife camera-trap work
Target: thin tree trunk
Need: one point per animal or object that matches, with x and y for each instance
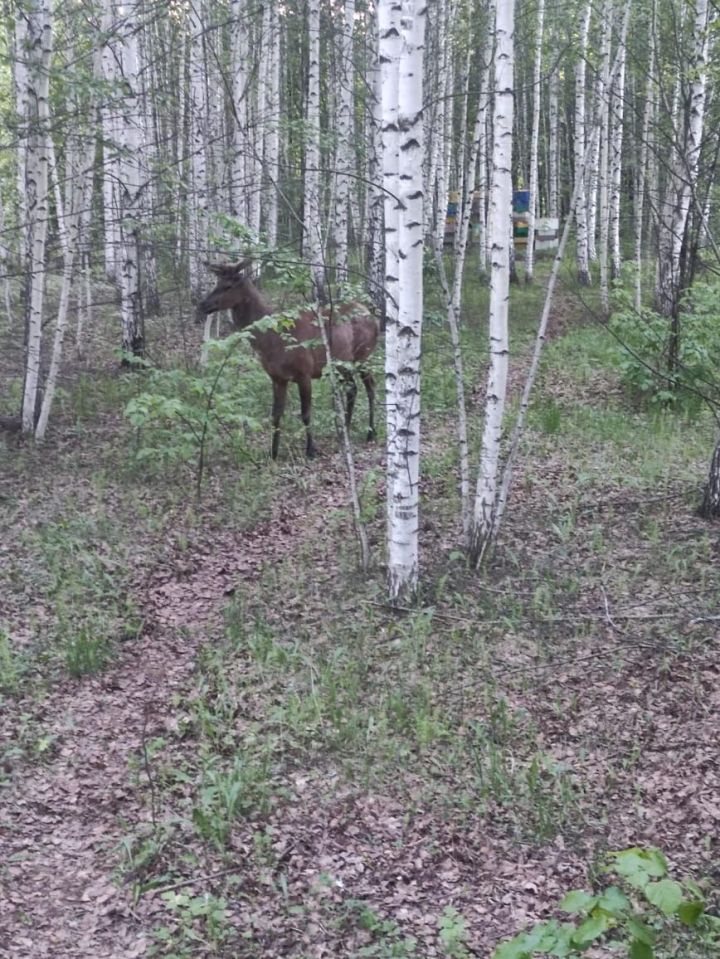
(78, 171)
(643, 167)
(553, 138)
(604, 191)
(403, 365)
(710, 507)
(684, 178)
(272, 147)
(344, 125)
(39, 55)
(534, 139)
(313, 242)
(239, 68)
(618, 115)
(514, 445)
(133, 334)
(198, 108)
(500, 204)
(583, 265)
(376, 197)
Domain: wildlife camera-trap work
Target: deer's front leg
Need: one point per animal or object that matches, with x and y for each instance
(279, 395)
(305, 390)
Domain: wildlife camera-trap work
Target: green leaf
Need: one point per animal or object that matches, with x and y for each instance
(578, 900)
(614, 901)
(666, 895)
(640, 950)
(640, 931)
(690, 911)
(594, 926)
(639, 865)
(563, 941)
(513, 949)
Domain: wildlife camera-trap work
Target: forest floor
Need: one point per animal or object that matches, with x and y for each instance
(216, 740)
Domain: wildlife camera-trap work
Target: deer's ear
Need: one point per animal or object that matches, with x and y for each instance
(240, 266)
(214, 268)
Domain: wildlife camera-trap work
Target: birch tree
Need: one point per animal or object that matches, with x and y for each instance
(108, 67)
(377, 198)
(603, 121)
(500, 205)
(272, 135)
(198, 110)
(583, 265)
(78, 172)
(401, 47)
(39, 37)
(553, 138)
(534, 141)
(133, 336)
(616, 152)
(642, 165)
(239, 57)
(312, 227)
(683, 177)
(343, 132)
(20, 66)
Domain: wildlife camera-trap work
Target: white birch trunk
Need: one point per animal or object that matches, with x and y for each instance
(37, 162)
(198, 109)
(21, 109)
(257, 146)
(272, 141)
(390, 51)
(534, 140)
(313, 242)
(376, 197)
(437, 121)
(403, 369)
(642, 175)
(107, 69)
(616, 147)
(78, 172)
(484, 148)
(461, 148)
(454, 305)
(583, 265)
(344, 132)
(500, 205)
(239, 54)
(553, 139)
(604, 169)
(684, 178)
(130, 192)
(84, 294)
(4, 254)
(507, 473)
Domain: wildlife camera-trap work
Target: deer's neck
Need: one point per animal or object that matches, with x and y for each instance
(246, 314)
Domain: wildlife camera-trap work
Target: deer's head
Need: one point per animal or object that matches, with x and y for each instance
(233, 291)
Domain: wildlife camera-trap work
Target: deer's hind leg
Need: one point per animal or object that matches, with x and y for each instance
(279, 396)
(369, 384)
(350, 394)
(305, 391)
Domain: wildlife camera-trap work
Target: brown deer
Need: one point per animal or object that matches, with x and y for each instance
(352, 334)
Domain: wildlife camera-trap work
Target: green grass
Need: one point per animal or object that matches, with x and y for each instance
(475, 711)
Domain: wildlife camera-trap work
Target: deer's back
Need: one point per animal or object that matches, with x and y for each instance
(352, 333)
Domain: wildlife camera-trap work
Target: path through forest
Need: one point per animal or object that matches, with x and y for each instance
(63, 821)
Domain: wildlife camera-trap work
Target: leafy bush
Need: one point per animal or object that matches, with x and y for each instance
(646, 915)
(646, 338)
(183, 416)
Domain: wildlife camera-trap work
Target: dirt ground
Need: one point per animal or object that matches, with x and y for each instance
(587, 656)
